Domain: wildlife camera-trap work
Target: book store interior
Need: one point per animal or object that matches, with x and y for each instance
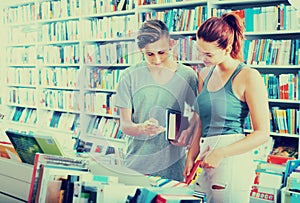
(150, 101)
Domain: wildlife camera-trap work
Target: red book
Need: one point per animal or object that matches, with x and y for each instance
(189, 179)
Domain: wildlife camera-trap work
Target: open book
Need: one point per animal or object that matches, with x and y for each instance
(27, 145)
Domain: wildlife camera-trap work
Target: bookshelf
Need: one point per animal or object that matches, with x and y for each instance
(54, 51)
(108, 47)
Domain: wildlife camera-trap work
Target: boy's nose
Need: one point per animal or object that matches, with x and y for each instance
(157, 59)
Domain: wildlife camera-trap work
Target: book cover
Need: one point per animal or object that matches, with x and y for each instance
(176, 122)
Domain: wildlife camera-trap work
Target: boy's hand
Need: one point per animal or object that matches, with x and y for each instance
(152, 127)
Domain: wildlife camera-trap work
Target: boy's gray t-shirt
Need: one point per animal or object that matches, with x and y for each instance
(138, 91)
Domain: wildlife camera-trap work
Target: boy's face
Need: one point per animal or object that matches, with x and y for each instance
(157, 53)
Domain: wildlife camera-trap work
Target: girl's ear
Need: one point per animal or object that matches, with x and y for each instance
(228, 49)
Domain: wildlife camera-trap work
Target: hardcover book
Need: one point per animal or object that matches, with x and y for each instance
(176, 122)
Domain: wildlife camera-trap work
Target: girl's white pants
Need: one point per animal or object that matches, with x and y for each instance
(236, 173)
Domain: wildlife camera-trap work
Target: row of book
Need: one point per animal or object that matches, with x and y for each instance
(60, 99)
(24, 115)
(21, 14)
(101, 148)
(185, 48)
(54, 119)
(21, 55)
(93, 7)
(48, 10)
(22, 96)
(178, 19)
(95, 102)
(59, 54)
(111, 53)
(64, 77)
(44, 10)
(272, 52)
(21, 76)
(58, 76)
(282, 86)
(100, 103)
(109, 27)
(59, 120)
(46, 32)
(57, 9)
(21, 34)
(285, 121)
(101, 78)
(55, 76)
(47, 54)
(104, 127)
(148, 2)
(267, 18)
(59, 31)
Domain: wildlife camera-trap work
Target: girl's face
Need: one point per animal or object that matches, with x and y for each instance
(157, 53)
(210, 53)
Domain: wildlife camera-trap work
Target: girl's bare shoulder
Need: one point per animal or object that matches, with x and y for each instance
(204, 72)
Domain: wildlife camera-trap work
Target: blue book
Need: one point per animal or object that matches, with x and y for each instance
(297, 52)
(249, 19)
(292, 53)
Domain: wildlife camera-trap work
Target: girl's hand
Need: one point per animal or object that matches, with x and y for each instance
(211, 159)
(188, 167)
(183, 140)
